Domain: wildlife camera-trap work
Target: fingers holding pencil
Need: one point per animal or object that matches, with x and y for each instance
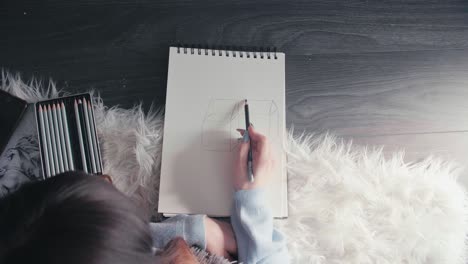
(263, 160)
(258, 139)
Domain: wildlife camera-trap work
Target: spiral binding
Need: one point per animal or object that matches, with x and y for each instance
(228, 51)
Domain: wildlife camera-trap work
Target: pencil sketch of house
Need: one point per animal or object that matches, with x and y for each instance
(224, 116)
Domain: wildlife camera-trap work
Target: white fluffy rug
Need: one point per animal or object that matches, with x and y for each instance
(347, 203)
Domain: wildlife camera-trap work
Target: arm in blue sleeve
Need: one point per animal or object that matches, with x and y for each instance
(190, 227)
(257, 240)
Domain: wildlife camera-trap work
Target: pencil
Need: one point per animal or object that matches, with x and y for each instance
(62, 138)
(52, 140)
(80, 139)
(88, 132)
(71, 162)
(45, 152)
(85, 135)
(95, 141)
(57, 139)
(49, 141)
(249, 158)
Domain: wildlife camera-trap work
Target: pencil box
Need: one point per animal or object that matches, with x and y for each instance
(67, 135)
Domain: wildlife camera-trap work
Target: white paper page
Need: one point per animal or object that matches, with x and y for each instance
(203, 109)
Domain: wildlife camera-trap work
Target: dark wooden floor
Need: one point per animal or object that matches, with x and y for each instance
(391, 73)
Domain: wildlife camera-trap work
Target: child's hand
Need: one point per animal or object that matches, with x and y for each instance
(176, 251)
(220, 239)
(263, 161)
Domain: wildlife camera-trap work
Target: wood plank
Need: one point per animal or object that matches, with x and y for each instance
(296, 27)
(120, 46)
(378, 93)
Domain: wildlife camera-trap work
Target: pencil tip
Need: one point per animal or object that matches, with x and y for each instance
(79, 101)
(40, 108)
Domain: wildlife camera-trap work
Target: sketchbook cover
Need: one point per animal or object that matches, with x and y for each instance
(20, 161)
(12, 109)
(203, 109)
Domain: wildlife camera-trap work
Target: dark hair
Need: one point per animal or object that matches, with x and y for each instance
(72, 218)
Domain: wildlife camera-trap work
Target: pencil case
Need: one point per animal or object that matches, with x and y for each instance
(67, 135)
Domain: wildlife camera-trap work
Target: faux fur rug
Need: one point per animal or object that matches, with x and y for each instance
(347, 204)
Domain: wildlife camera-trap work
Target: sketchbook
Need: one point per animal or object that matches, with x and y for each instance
(204, 107)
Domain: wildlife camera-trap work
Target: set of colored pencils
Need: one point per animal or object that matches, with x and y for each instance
(68, 138)
(89, 149)
(55, 138)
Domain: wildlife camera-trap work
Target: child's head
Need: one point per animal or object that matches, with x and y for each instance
(73, 218)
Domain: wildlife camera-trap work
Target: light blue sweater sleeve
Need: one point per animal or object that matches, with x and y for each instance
(190, 227)
(257, 240)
